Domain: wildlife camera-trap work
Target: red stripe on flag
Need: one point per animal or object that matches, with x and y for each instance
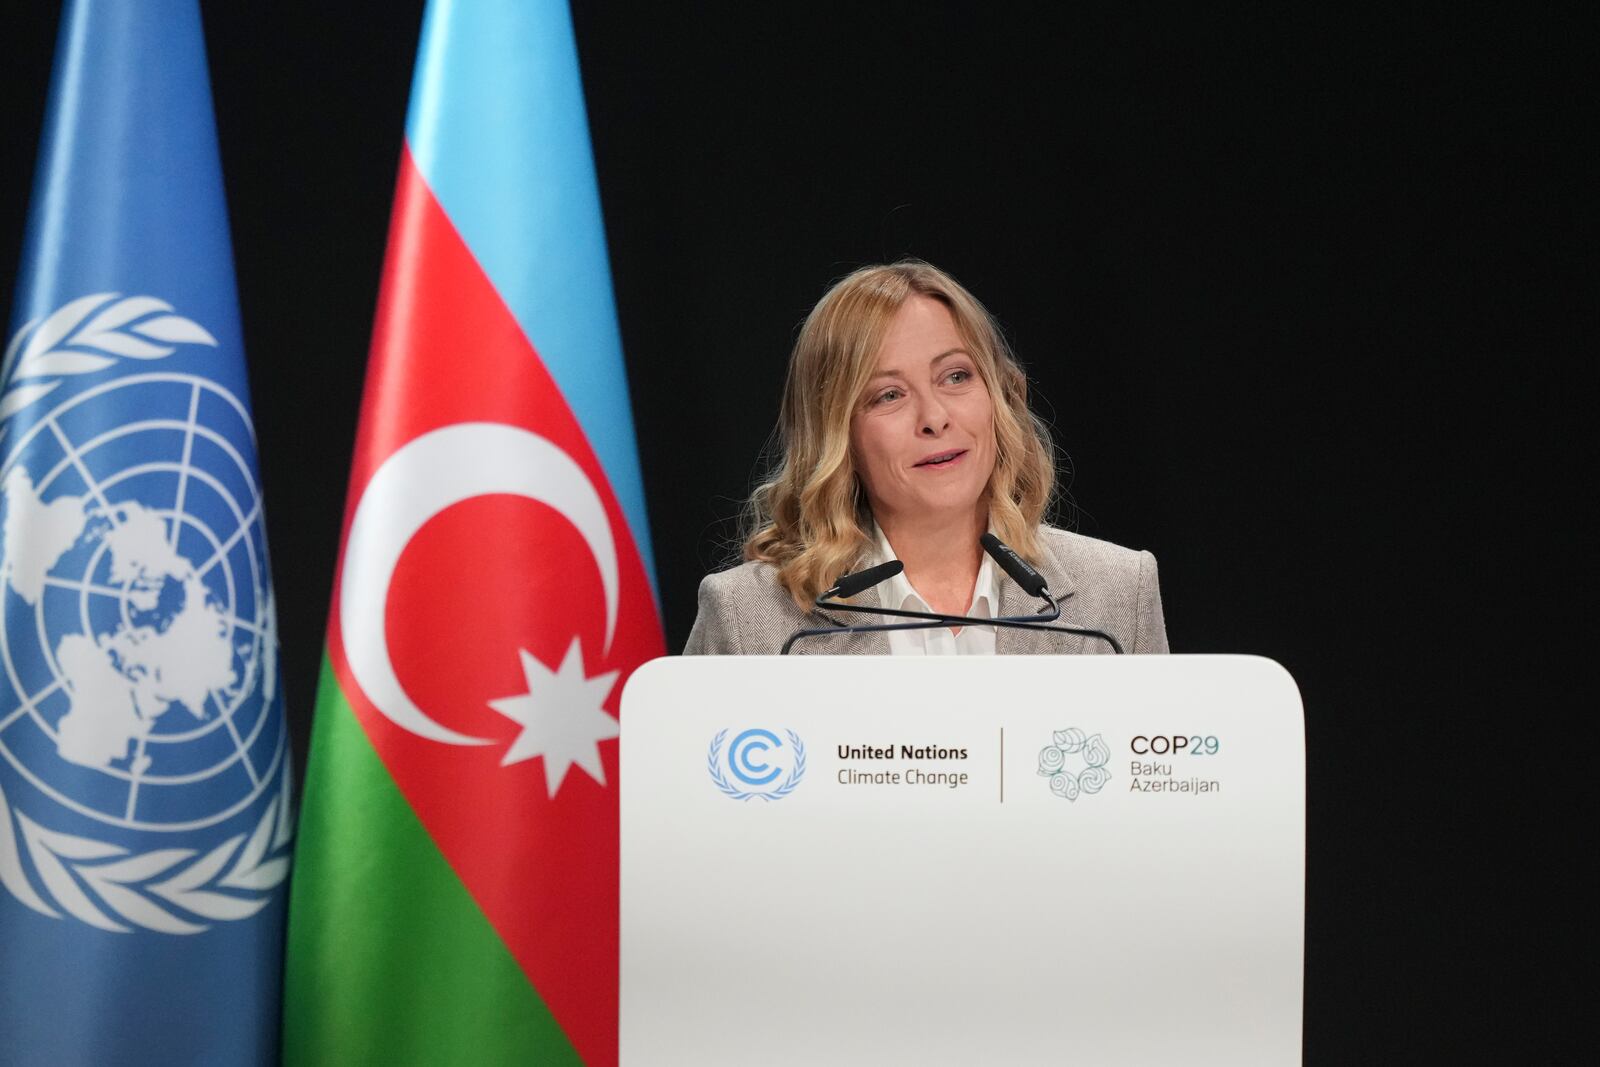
(480, 582)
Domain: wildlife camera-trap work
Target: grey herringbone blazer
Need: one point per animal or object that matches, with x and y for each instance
(744, 611)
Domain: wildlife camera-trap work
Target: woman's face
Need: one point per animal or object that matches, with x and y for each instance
(922, 436)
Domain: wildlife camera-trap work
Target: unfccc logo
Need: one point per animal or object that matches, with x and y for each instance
(761, 763)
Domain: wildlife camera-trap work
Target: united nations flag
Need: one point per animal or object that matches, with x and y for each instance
(144, 770)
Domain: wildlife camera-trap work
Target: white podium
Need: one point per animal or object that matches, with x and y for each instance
(858, 860)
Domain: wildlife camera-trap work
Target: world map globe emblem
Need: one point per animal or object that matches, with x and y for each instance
(138, 644)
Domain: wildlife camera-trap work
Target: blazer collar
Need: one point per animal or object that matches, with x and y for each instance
(867, 644)
(1013, 601)
(1009, 641)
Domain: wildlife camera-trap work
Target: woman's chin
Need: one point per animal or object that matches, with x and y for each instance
(951, 502)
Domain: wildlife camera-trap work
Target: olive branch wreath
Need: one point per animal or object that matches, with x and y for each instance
(797, 772)
(86, 335)
(71, 868)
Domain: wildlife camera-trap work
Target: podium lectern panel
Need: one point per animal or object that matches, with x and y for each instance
(1077, 859)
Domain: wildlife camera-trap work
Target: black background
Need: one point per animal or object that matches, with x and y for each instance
(1297, 288)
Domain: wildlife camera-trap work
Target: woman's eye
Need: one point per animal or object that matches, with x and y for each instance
(886, 396)
(958, 377)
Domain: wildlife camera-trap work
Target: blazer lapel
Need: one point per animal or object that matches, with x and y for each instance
(867, 644)
(1013, 601)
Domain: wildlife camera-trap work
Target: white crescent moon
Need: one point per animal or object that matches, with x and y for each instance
(421, 479)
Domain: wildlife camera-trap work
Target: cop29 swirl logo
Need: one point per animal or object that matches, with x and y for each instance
(761, 764)
(1075, 764)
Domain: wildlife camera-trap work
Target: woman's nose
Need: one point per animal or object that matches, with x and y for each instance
(933, 419)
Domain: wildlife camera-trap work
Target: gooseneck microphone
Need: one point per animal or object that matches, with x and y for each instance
(1018, 569)
(861, 581)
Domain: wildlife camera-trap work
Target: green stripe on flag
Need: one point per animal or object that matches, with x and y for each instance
(389, 959)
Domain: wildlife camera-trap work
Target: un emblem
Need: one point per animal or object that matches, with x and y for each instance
(759, 762)
(1075, 764)
(138, 640)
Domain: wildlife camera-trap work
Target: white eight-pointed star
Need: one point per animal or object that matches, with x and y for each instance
(562, 716)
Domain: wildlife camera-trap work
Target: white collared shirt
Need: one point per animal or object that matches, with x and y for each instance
(898, 592)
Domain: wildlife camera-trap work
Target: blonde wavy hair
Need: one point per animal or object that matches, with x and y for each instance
(810, 518)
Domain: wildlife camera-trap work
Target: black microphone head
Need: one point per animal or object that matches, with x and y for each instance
(1031, 581)
(851, 584)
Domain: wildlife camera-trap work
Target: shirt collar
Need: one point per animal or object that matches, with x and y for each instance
(898, 592)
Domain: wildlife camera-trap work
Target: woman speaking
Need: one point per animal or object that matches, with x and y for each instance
(906, 435)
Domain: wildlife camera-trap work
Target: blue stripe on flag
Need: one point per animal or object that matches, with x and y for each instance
(498, 129)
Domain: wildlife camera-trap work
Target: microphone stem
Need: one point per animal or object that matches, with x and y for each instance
(1049, 613)
(881, 627)
(928, 621)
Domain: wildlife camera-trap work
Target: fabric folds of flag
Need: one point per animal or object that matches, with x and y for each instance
(455, 892)
(144, 765)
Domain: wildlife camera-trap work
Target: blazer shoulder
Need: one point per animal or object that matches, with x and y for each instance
(1118, 588)
(745, 579)
(1085, 557)
(739, 609)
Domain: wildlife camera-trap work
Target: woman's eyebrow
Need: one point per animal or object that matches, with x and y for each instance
(896, 372)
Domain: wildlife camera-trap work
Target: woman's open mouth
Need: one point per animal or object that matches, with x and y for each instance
(942, 459)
